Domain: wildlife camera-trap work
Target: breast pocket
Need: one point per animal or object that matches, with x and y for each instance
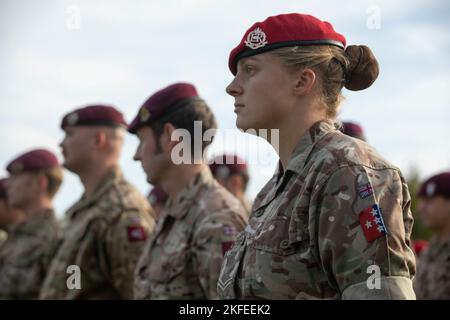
(169, 259)
(282, 236)
(77, 244)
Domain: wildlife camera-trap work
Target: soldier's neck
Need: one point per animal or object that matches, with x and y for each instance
(293, 128)
(39, 205)
(92, 178)
(179, 177)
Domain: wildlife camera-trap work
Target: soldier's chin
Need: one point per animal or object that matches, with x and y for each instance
(151, 179)
(241, 124)
(69, 166)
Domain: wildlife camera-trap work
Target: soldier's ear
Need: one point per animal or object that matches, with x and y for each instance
(100, 138)
(304, 81)
(167, 143)
(42, 182)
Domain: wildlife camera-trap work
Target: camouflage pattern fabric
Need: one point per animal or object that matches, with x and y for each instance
(182, 260)
(312, 235)
(26, 255)
(433, 272)
(104, 236)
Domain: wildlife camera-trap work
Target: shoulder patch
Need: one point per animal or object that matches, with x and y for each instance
(136, 233)
(229, 230)
(365, 190)
(372, 223)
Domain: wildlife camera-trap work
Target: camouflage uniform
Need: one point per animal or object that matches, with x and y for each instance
(305, 239)
(433, 272)
(182, 259)
(104, 237)
(26, 255)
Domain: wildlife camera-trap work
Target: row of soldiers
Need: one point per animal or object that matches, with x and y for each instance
(112, 244)
(110, 236)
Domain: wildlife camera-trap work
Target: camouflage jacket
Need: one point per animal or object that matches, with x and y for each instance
(316, 231)
(104, 237)
(433, 272)
(182, 259)
(26, 255)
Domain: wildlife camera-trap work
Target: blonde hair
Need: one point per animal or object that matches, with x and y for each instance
(355, 68)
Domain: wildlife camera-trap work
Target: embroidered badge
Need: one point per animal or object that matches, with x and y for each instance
(144, 114)
(431, 187)
(372, 223)
(72, 119)
(365, 190)
(136, 233)
(229, 230)
(256, 39)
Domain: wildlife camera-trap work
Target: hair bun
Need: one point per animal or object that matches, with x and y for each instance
(363, 69)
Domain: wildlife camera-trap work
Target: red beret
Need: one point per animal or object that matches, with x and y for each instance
(94, 115)
(162, 102)
(353, 130)
(38, 159)
(3, 188)
(437, 185)
(284, 30)
(157, 196)
(225, 165)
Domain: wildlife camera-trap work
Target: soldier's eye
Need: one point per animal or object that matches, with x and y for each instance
(249, 69)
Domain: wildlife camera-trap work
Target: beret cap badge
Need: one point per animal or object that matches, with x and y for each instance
(431, 187)
(72, 119)
(144, 114)
(256, 39)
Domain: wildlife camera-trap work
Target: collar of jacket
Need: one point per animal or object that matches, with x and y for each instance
(188, 196)
(108, 181)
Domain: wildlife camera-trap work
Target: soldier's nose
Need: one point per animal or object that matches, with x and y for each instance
(233, 89)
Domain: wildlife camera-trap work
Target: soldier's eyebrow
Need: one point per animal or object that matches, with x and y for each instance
(247, 60)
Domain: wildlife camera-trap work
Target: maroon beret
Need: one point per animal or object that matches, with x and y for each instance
(227, 164)
(3, 188)
(38, 159)
(353, 130)
(437, 185)
(157, 196)
(94, 115)
(284, 30)
(162, 103)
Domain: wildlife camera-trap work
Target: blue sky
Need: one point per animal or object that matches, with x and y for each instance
(123, 51)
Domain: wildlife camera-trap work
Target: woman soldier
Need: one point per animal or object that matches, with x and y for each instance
(334, 222)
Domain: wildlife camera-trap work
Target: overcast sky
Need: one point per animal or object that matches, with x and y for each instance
(59, 55)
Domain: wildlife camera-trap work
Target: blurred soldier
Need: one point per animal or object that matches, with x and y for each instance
(157, 198)
(433, 269)
(231, 172)
(35, 177)
(334, 221)
(201, 219)
(353, 130)
(9, 216)
(108, 226)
